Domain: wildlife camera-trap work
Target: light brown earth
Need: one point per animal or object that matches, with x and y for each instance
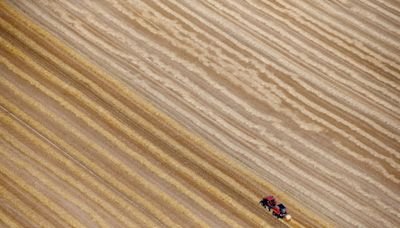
(186, 113)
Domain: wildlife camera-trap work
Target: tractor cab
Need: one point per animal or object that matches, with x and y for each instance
(268, 202)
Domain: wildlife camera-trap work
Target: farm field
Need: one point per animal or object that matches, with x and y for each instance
(183, 113)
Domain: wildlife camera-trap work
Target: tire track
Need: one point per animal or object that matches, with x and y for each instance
(8, 85)
(130, 133)
(23, 208)
(8, 220)
(115, 139)
(79, 157)
(61, 213)
(52, 186)
(237, 74)
(70, 179)
(109, 178)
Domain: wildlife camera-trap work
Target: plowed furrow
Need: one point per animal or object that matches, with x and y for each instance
(186, 113)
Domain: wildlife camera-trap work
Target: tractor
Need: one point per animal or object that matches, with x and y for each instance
(278, 210)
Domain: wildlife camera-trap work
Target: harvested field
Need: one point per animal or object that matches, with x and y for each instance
(186, 113)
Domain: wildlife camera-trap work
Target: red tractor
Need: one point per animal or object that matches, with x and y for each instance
(279, 211)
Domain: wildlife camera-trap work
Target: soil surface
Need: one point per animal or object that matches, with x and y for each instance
(186, 113)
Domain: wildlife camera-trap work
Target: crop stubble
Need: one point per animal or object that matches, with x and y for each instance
(311, 107)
